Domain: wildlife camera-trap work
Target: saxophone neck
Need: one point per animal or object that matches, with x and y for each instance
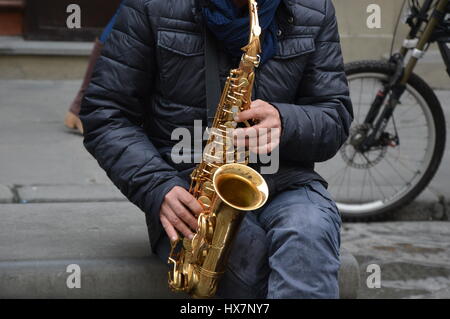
(252, 50)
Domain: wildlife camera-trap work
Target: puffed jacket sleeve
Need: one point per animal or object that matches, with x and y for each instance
(113, 111)
(315, 127)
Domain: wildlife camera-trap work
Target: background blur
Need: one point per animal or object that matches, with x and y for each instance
(360, 42)
(42, 20)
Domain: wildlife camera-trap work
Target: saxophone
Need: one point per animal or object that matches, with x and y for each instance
(222, 183)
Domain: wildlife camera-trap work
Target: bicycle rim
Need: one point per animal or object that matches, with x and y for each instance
(385, 191)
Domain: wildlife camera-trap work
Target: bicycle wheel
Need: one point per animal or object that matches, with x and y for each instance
(369, 186)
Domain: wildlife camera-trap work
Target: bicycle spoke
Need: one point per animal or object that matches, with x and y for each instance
(395, 170)
(343, 180)
(363, 185)
(336, 174)
(398, 159)
(349, 180)
(412, 126)
(373, 178)
(407, 159)
(378, 171)
(408, 109)
(360, 96)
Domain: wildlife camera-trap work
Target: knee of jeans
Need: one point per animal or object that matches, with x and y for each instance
(323, 228)
(318, 195)
(306, 227)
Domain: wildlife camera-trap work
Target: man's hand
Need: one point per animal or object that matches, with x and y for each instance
(263, 137)
(179, 211)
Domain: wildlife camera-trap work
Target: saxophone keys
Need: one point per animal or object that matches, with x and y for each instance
(229, 146)
(205, 201)
(219, 156)
(208, 188)
(187, 244)
(230, 124)
(235, 110)
(211, 228)
(243, 82)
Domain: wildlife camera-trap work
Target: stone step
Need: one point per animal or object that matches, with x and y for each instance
(14, 45)
(69, 193)
(108, 241)
(99, 278)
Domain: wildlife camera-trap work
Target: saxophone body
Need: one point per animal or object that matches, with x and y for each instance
(223, 184)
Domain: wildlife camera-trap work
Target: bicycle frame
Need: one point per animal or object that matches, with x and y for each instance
(437, 17)
(435, 31)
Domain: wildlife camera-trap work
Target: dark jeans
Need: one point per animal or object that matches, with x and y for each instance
(287, 249)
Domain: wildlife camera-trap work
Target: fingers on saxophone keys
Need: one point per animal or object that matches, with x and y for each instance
(243, 135)
(170, 230)
(255, 136)
(264, 149)
(184, 215)
(180, 226)
(255, 112)
(191, 203)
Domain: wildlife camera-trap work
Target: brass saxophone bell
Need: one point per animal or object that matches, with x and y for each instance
(240, 187)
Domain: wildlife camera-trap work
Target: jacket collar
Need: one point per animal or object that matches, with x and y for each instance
(196, 6)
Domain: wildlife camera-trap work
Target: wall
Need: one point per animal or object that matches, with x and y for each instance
(359, 42)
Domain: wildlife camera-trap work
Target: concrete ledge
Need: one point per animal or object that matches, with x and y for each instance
(109, 242)
(6, 195)
(18, 46)
(104, 278)
(144, 277)
(69, 193)
(349, 276)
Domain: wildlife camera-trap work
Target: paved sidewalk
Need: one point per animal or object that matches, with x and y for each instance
(41, 160)
(45, 165)
(414, 257)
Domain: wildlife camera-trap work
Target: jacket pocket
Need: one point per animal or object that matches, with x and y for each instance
(181, 42)
(180, 58)
(294, 46)
(282, 75)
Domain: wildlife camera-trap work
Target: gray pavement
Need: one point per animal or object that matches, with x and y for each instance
(56, 204)
(37, 150)
(414, 257)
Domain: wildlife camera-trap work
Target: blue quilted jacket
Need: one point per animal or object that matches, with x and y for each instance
(150, 79)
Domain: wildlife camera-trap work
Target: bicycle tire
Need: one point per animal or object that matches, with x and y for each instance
(432, 102)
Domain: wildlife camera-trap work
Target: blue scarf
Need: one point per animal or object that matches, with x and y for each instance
(225, 21)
